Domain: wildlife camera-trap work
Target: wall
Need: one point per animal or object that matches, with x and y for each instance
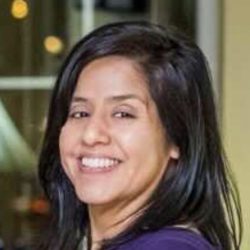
(236, 98)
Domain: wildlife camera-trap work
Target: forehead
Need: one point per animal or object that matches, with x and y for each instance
(112, 75)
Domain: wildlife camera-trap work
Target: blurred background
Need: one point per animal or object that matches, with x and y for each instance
(35, 37)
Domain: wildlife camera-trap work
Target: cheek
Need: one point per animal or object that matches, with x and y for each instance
(63, 146)
(139, 142)
(131, 139)
(146, 146)
(63, 141)
(66, 144)
(67, 137)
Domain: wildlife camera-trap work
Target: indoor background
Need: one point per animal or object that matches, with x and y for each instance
(35, 37)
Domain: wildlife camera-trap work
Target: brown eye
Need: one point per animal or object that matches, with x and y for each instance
(79, 114)
(123, 114)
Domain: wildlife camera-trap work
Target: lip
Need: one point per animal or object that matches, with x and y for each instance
(88, 170)
(96, 155)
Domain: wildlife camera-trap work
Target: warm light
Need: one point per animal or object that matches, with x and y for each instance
(19, 9)
(53, 44)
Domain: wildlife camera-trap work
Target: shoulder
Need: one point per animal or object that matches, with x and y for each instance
(169, 239)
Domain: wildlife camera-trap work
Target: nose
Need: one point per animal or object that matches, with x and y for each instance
(95, 132)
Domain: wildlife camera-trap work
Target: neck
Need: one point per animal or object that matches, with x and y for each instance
(108, 221)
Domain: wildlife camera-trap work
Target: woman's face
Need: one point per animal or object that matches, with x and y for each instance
(112, 146)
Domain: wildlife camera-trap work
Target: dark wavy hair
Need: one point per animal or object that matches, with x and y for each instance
(197, 188)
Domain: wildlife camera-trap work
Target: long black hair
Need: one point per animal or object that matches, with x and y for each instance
(197, 188)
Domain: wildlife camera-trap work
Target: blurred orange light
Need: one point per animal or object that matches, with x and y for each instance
(19, 9)
(40, 206)
(53, 44)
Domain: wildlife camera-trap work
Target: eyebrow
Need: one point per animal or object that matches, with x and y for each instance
(115, 98)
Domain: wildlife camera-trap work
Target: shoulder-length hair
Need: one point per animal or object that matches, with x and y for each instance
(197, 188)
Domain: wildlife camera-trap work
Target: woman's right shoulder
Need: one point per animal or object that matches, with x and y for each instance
(169, 239)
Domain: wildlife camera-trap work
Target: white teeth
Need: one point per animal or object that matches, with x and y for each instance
(98, 162)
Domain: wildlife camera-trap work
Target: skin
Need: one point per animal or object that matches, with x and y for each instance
(113, 115)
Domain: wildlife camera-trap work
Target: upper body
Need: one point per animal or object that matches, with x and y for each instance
(132, 133)
(169, 239)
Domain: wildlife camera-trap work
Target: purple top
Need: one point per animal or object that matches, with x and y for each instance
(169, 239)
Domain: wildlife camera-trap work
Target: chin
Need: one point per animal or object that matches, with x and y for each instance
(93, 198)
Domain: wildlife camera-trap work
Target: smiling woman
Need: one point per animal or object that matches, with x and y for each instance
(132, 157)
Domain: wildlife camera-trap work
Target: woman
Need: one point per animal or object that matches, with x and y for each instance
(132, 157)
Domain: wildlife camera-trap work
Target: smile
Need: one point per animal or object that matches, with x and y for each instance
(95, 162)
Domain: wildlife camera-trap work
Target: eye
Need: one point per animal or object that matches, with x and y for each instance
(79, 114)
(123, 114)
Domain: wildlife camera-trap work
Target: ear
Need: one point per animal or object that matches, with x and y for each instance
(174, 152)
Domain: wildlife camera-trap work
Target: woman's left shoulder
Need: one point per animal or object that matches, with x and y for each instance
(170, 239)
